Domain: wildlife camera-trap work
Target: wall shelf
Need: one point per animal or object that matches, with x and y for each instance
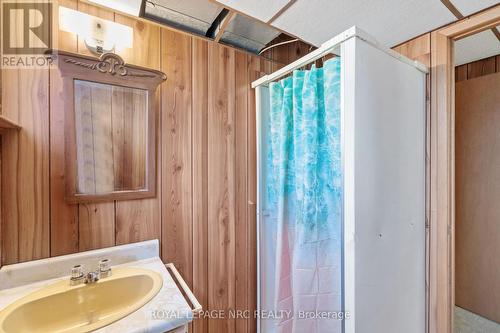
(6, 123)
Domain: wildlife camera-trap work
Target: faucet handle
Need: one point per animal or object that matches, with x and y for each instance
(76, 272)
(104, 267)
(76, 275)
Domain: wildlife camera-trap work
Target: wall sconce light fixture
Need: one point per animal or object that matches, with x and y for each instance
(99, 35)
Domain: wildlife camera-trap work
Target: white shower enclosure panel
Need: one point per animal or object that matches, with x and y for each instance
(383, 107)
(383, 113)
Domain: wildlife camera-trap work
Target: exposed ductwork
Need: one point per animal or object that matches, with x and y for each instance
(206, 18)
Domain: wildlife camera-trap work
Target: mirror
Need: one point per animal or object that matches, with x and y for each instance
(110, 128)
(111, 137)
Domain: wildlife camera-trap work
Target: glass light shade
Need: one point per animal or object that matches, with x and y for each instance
(93, 28)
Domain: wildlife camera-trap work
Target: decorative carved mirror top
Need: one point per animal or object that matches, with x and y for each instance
(107, 63)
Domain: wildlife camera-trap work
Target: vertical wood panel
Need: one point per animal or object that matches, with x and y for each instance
(121, 114)
(461, 73)
(83, 124)
(25, 191)
(297, 50)
(281, 55)
(176, 144)
(138, 220)
(129, 133)
(102, 138)
(96, 225)
(146, 40)
(63, 217)
(200, 178)
(221, 178)
(139, 139)
(242, 248)
(10, 161)
(481, 67)
(418, 49)
(33, 172)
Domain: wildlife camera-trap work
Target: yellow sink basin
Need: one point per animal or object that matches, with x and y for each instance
(82, 308)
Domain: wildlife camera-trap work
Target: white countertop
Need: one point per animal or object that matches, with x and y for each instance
(166, 311)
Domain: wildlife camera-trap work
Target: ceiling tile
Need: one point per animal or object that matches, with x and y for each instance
(479, 46)
(468, 7)
(391, 21)
(264, 10)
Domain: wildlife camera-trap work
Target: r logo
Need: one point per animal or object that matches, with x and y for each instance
(26, 27)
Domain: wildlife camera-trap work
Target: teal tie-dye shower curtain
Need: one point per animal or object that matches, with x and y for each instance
(303, 185)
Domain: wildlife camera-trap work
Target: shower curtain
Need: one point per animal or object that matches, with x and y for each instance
(303, 187)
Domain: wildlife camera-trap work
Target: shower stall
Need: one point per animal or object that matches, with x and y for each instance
(341, 191)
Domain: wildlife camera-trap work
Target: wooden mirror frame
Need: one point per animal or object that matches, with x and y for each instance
(108, 69)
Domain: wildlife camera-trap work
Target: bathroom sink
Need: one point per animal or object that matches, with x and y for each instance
(83, 308)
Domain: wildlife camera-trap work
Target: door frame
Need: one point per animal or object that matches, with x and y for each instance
(441, 167)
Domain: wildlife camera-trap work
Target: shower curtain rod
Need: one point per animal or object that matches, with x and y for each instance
(328, 47)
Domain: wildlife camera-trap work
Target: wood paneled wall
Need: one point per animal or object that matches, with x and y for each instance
(204, 212)
(477, 68)
(289, 52)
(417, 49)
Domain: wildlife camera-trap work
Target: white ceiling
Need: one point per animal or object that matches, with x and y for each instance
(479, 46)
(468, 7)
(390, 21)
(264, 10)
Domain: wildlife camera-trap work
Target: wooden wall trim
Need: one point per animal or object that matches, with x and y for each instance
(441, 187)
(473, 24)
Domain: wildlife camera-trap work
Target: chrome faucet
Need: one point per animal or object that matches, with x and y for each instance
(91, 277)
(78, 277)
